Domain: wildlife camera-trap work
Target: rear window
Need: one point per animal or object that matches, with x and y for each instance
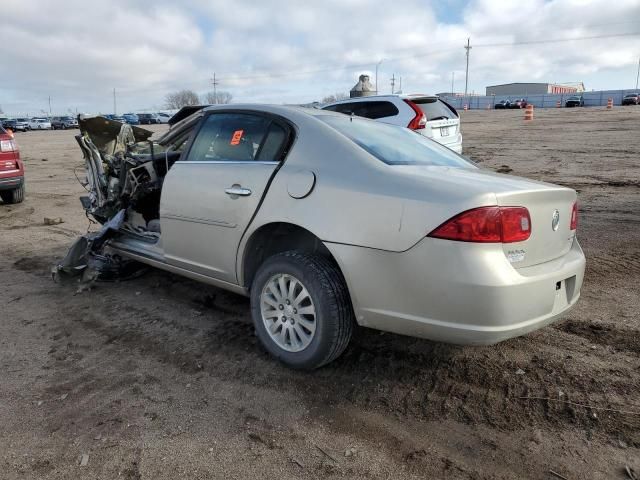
(395, 145)
(368, 109)
(434, 109)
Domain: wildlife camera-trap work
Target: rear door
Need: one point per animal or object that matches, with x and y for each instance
(210, 196)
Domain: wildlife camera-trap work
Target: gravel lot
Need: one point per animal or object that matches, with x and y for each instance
(162, 378)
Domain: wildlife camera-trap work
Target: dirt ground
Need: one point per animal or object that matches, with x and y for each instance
(162, 378)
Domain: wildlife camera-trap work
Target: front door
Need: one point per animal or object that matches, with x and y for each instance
(211, 194)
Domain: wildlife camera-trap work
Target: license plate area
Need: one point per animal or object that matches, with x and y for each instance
(444, 131)
(565, 291)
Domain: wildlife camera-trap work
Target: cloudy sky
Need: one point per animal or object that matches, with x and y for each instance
(287, 51)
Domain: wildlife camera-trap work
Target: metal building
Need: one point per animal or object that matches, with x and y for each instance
(533, 88)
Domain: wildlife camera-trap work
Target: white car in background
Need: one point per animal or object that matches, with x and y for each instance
(39, 124)
(163, 117)
(426, 114)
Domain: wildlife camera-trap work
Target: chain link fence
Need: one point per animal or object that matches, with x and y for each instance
(591, 99)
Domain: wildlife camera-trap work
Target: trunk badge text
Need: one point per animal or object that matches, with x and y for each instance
(555, 220)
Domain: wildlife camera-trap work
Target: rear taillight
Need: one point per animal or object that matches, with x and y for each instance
(574, 216)
(487, 225)
(7, 146)
(420, 120)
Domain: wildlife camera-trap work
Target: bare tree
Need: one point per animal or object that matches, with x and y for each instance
(217, 98)
(181, 99)
(335, 98)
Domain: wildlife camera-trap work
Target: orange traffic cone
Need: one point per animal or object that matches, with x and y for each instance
(558, 104)
(609, 103)
(528, 112)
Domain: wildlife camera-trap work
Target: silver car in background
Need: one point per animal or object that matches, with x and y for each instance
(328, 221)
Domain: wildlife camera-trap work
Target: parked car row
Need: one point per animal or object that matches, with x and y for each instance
(66, 122)
(140, 118)
(38, 123)
(504, 104)
(573, 101)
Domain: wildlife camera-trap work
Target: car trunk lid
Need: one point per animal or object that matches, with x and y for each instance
(453, 191)
(551, 236)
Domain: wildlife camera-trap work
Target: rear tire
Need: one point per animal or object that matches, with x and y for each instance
(320, 286)
(13, 196)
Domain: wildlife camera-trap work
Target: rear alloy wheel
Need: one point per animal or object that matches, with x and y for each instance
(301, 309)
(13, 196)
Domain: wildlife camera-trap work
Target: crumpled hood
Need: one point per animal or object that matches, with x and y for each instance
(110, 136)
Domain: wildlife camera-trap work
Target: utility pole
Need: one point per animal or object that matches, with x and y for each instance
(400, 91)
(393, 83)
(114, 102)
(453, 76)
(467, 47)
(638, 74)
(49, 106)
(215, 91)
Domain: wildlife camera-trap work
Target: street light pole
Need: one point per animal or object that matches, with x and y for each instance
(467, 47)
(638, 74)
(377, 65)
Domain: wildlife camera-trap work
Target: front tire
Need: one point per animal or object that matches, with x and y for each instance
(301, 309)
(13, 196)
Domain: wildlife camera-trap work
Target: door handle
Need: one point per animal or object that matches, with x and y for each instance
(238, 190)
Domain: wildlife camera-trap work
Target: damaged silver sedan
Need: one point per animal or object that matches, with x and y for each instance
(327, 222)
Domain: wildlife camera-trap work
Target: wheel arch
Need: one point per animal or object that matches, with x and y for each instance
(276, 237)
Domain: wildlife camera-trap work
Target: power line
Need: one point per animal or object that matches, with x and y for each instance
(274, 74)
(558, 40)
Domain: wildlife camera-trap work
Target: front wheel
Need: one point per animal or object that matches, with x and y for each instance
(301, 309)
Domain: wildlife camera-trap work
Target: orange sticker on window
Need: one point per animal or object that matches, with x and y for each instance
(235, 139)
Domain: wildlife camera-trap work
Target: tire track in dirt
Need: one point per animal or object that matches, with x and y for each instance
(406, 377)
(211, 331)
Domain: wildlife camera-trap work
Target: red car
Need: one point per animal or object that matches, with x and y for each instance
(519, 103)
(11, 169)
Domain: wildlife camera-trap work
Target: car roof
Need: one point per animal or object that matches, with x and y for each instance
(297, 115)
(284, 110)
(403, 96)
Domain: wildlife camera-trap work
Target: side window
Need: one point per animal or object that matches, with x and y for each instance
(347, 108)
(271, 150)
(379, 110)
(229, 137)
(367, 109)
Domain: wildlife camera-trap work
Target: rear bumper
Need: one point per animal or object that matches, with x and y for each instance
(11, 183)
(454, 142)
(458, 292)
